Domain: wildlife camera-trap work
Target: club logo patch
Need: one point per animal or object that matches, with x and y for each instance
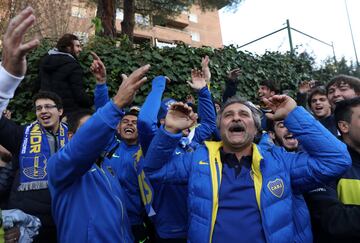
(276, 187)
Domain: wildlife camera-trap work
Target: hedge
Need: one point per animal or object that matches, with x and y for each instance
(119, 57)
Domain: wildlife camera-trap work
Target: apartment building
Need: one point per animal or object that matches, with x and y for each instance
(194, 27)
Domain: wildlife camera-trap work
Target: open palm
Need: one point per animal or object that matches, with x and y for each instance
(197, 80)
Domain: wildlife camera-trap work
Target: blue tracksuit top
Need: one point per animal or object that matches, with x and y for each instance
(279, 178)
(170, 201)
(87, 199)
(123, 161)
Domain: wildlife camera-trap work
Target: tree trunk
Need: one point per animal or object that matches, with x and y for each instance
(128, 24)
(106, 11)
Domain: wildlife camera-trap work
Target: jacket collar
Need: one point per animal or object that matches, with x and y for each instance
(355, 156)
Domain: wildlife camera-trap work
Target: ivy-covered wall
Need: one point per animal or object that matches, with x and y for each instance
(176, 63)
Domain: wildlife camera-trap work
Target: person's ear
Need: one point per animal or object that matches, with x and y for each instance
(272, 93)
(61, 111)
(343, 127)
(162, 121)
(272, 135)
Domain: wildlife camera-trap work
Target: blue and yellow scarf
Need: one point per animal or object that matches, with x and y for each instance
(35, 151)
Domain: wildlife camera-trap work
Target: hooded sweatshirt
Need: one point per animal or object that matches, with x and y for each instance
(62, 74)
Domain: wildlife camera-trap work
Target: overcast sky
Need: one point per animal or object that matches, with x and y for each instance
(323, 19)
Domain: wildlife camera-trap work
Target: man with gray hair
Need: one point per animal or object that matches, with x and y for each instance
(239, 191)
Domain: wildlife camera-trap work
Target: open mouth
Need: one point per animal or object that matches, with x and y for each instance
(289, 137)
(319, 108)
(45, 118)
(129, 130)
(236, 128)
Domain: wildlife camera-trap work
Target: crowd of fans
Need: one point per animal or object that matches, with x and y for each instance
(197, 170)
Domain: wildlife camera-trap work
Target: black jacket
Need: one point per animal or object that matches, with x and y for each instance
(62, 74)
(36, 202)
(330, 124)
(333, 217)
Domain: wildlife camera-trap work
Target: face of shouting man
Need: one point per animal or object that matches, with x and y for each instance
(283, 137)
(339, 92)
(48, 114)
(320, 106)
(127, 129)
(237, 127)
(265, 92)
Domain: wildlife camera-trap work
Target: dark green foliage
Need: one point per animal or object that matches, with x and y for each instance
(120, 57)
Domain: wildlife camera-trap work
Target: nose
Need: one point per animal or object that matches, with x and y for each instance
(337, 93)
(236, 117)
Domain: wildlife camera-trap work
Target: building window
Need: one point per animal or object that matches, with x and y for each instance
(119, 14)
(142, 20)
(162, 44)
(78, 12)
(195, 36)
(83, 36)
(193, 18)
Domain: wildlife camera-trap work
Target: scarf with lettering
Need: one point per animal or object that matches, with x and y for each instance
(35, 151)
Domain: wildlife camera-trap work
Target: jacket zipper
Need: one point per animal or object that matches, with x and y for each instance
(118, 199)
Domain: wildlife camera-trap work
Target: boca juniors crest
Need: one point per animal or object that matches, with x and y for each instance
(276, 187)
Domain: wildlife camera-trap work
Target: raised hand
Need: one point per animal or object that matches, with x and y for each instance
(205, 68)
(14, 50)
(197, 80)
(98, 69)
(304, 87)
(234, 74)
(129, 86)
(281, 106)
(12, 235)
(7, 113)
(180, 116)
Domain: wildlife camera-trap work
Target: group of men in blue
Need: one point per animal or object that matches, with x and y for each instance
(163, 173)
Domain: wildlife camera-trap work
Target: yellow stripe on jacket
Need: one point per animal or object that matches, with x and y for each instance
(348, 191)
(216, 172)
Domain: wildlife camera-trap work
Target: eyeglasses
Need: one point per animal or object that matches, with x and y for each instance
(46, 107)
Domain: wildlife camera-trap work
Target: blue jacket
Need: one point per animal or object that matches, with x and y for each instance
(87, 200)
(124, 163)
(279, 178)
(170, 201)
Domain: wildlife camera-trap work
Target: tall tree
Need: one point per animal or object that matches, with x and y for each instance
(106, 12)
(52, 17)
(161, 9)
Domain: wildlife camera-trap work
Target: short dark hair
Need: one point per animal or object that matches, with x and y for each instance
(73, 119)
(315, 91)
(48, 95)
(352, 81)
(66, 41)
(132, 113)
(217, 102)
(270, 125)
(343, 110)
(271, 84)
